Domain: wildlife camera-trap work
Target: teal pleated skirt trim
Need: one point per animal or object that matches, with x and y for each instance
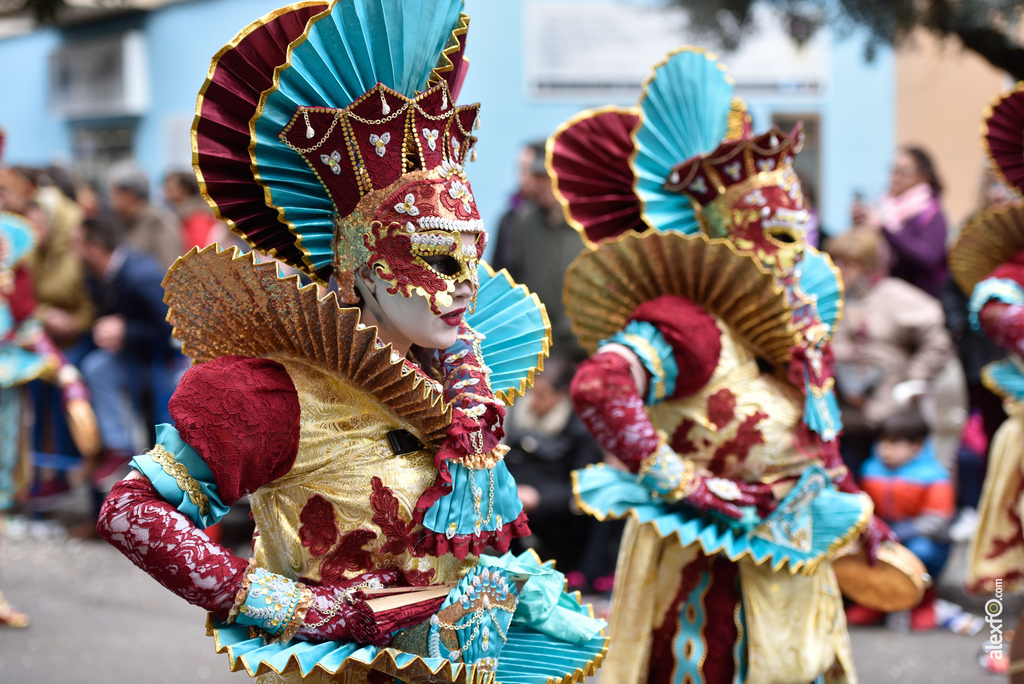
(809, 525)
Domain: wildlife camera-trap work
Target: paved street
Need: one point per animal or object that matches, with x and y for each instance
(97, 619)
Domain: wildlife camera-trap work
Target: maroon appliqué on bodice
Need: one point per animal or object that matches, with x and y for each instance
(348, 556)
(738, 448)
(318, 530)
(721, 408)
(398, 533)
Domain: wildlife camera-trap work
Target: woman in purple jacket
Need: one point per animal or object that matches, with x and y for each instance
(911, 219)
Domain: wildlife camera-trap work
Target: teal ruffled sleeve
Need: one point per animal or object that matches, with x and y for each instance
(655, 353)
(821, 410)
(543, 605)
(182, 478)
(999, 289)
(480, 501)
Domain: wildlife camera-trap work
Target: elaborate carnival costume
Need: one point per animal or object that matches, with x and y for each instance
(375, 481)
(987, 261)
(699, 288)
(27, 354)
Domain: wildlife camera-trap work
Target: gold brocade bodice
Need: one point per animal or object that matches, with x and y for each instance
(742, 421)
(343, 446)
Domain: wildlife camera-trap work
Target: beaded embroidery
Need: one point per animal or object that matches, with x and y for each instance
(270, 603)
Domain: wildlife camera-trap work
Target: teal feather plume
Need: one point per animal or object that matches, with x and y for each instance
(685, 112)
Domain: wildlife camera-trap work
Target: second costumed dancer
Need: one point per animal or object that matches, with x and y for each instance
(709, 319)
(366, 435)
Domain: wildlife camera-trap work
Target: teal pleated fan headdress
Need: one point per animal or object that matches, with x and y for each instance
(611, 164)
(327, 135)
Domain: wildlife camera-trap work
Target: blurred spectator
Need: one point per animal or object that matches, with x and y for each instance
(129, 332)
(547, 442)
(150, 230)
(63, 303)
(199, 227)
(506, 247)
(18, 187)
(976, 350)
(913, 493)
(910, 217)
(971, 461)
(536, 245)
(891, 333)
(89, 199)
(813, 228)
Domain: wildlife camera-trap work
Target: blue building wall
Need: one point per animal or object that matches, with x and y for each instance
(857, 108)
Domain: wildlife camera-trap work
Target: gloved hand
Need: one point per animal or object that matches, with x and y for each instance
(675, 480)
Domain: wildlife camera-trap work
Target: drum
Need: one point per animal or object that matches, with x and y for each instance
(896, 582)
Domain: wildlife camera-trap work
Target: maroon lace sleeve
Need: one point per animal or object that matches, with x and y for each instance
(152, 534)
(241, 415)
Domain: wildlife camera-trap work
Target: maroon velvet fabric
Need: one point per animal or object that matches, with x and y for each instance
(241, 415)
(1004, 324)
(693, 335)
(22, 300)
(222, 132)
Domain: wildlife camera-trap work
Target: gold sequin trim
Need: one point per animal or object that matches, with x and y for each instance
(242, 592)
(485, 461)
(306, 598)
(179, 472)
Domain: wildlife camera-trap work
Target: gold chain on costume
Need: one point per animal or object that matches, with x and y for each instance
(370, 122)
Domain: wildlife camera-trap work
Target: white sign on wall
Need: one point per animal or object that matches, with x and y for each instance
(103, 77)
(604, 50)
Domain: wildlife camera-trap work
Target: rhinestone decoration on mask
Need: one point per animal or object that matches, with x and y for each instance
(426, 215)
(746, 191)
(393, 167)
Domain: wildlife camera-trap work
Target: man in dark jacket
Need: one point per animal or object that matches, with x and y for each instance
(129, 332)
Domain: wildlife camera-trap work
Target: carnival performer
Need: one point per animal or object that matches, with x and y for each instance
(708, 319)
(27, 354)
(367, 436)
(987, 261)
